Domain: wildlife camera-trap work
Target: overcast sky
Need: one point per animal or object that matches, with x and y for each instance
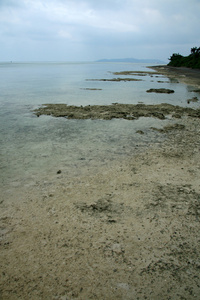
(87, 30)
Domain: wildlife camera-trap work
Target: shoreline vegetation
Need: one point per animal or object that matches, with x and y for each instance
(190, 61)
(128, 231)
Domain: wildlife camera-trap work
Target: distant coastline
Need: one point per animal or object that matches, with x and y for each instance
(132, 60)
(114, 60)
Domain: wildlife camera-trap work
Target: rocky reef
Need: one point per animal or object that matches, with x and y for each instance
(115, 79)
(116, 110)
(161, 91)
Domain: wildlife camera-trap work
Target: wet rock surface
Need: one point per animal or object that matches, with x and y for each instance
(136, 73)
(182, 74)
(160, 91)
(91, 89)
(115, 79)
(108, 112)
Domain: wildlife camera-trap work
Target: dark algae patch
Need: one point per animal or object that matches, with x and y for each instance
(115, 79)
(116, 110)
(137, 73)
(169, 128)
(126, 73)
(91, 89)
(161, 91)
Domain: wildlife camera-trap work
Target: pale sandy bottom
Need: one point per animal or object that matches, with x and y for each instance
(129, 231)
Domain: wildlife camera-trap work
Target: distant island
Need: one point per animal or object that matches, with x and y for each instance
(133, 60)
(190, 61)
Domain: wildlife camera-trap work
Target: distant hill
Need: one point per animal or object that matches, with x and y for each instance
(133, 60)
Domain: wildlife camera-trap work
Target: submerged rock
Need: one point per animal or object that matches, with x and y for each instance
(169, 128)
(194, 99)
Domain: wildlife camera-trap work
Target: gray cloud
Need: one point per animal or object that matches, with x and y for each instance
(90, 29)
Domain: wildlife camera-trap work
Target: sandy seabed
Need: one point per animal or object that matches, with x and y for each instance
(129, 231)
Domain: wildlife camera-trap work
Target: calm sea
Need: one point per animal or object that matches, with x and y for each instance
(34, 148)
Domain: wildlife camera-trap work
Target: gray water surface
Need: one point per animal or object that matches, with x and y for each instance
(34, 148)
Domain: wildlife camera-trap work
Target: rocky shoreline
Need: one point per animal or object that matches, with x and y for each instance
(185, 75)
(129, 231)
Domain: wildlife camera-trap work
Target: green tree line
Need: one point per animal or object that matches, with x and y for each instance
(190, 61)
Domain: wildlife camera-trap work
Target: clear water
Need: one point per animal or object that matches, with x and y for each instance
(34, 148)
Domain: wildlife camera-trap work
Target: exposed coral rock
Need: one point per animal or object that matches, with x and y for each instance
(108, 112)
(162, 91)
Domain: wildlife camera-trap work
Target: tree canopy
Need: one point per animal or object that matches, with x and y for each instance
(190, 61)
